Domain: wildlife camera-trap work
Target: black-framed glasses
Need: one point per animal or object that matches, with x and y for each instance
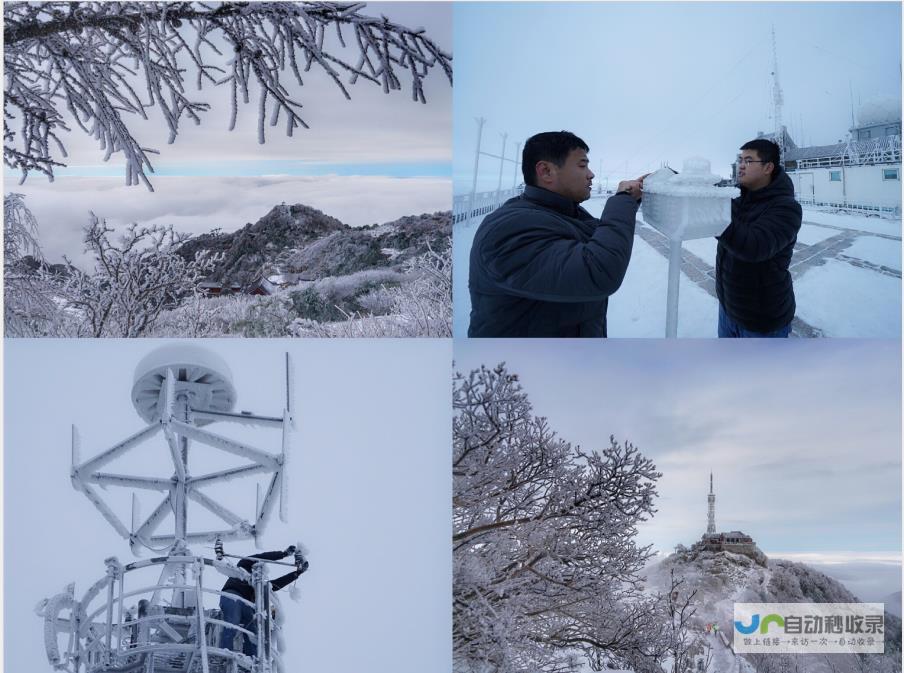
(746, 161)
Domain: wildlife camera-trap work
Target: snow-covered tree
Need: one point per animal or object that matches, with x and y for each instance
(426, 301)
(105, 62)
(28, 291)
(682, 642)
(546, 567)
(133, 280)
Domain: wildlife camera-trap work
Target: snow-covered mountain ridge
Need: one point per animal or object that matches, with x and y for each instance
(722, 578)
(299, 239)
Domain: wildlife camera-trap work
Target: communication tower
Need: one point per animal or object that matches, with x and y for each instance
(161, 614)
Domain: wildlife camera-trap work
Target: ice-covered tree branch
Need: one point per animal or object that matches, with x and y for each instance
(104, 63)
(134, 279)
(28, 291)
(546, 565)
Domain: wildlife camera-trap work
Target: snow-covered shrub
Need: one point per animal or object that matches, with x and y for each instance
(419, 305)
(201, 316)
(426, 301)
(133, 280)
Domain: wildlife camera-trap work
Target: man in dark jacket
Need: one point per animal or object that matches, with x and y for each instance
(542, 266)
(756, 297)
(242, 614)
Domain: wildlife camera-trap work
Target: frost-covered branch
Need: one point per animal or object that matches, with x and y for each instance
(546, 569)
(134, 279)
(104, 62)
(29, 309)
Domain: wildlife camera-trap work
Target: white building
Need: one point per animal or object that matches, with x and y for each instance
(862, 173)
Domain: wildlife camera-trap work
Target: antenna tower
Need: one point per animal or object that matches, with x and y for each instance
(164, 624)
(711, 519)
(777, 101)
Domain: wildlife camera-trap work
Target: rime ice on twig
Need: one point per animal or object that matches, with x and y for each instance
(546, 571)
(28, 293)
(134, 279)
(85, 57)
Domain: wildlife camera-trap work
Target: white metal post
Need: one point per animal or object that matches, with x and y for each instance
(671, 309)
(501, 167)
(199, 608)
(517, 165)
(480, 122)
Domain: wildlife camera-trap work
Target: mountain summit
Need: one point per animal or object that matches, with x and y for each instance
(723, 578)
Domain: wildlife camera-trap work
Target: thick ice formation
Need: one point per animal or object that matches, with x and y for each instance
(203, 375)
(687, 205)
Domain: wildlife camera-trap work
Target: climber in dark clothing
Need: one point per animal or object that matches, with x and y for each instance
(241, 614)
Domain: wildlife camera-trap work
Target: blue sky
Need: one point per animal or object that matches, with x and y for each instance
(803, 436)
(645, 83)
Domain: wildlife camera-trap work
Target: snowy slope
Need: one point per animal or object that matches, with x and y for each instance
(723, 578)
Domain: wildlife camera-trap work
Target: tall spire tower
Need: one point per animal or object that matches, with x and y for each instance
(711, 519)
(777, 100)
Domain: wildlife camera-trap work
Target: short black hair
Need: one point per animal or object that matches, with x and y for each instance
(766, 150)
(554, 146)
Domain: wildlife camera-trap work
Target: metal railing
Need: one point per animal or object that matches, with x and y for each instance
(868, 208)
(104, 634)
(465, 208)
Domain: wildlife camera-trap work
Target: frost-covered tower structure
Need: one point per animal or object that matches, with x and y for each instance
(160, 614)
(733, 541)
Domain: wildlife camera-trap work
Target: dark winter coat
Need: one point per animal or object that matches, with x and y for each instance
(245, 590)
(752, 278)
(542, 266)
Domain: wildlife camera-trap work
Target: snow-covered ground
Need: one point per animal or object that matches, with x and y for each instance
(847, 281)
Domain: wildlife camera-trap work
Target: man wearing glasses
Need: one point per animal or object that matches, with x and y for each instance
(542, 266)
(756, 298)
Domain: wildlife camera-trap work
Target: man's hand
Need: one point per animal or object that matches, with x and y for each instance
(632, 187)
(289, 550)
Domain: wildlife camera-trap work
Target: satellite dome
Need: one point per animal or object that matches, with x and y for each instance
(202, 375)
(879, 110)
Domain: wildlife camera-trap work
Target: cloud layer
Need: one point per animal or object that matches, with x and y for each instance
(199, 204)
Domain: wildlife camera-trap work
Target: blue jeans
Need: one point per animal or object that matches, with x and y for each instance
(240, 614)
(729, 329)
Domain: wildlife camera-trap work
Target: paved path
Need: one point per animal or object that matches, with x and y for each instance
(805, 257)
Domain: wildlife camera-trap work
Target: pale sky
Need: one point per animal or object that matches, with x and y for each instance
(803, 437)
(369, 488)
(646, 83)
(371, 159)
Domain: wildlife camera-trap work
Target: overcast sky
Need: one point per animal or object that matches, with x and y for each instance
(369, 482)
(646, 83)
(803, 437)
